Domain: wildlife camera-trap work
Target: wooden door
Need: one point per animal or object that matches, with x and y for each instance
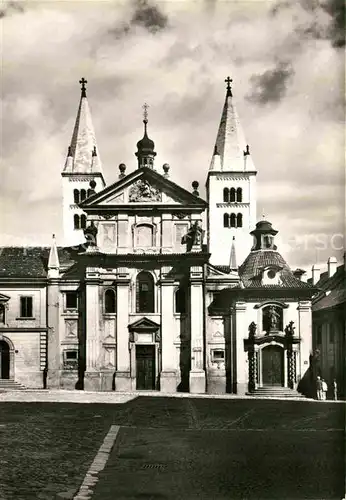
(145, 367)
(4, 360)
(273, 365)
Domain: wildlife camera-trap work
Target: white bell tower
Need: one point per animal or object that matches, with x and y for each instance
(231, 189)
(82, 174)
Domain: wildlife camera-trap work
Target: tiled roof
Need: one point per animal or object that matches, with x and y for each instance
(29, 262)
(332, 290)
(250, 270)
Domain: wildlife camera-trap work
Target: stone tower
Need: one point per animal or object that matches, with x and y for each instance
(82, 174)
(231, 189)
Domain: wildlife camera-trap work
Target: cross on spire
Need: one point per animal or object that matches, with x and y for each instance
(228, 81)
(145, 113)
(83, 83)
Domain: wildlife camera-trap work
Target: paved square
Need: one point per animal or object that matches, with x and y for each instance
(174, 448)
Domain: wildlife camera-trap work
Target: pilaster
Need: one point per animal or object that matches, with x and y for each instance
(92, 376)
(305, 334)
(168, 379)
(123, 373)
(197, 372)
(241, 361)
(53, 337)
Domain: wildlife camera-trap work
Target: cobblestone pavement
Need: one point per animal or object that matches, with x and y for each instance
(174, 448)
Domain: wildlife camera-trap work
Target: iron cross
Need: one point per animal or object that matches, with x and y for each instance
(83, 83)
(145, 114)
(228, 81)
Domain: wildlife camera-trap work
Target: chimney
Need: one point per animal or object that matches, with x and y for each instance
(299, 273)
(332, 266)
(315, 274)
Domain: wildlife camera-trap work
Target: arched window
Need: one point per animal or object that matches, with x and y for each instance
(239, 195)
(226, 195)
(76, 196)
(225, 220)
(110, 303)
(82, 194)
(83, 221)
(239, 220)
(144, 293)
(180, 301)
(233, 220)
(232, 195)
(76, 221)
(2, 314)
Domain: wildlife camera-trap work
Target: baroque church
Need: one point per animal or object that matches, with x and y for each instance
(141, 294)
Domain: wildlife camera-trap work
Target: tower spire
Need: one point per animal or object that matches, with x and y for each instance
(53, 260)
(230, 142)
(233, 259)
(83, 142)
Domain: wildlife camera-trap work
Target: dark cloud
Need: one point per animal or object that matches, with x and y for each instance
(11, 8)
(271, 85)
(336, 31)
(149, 17)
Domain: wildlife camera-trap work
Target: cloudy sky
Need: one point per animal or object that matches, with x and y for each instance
(287, 62)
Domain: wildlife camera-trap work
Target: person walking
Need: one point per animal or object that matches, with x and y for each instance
(335, 390)
(319, 387)
(324, 390)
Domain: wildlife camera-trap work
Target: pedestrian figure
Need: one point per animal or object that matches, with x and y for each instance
(319, 387)
(335, 390)
(324, 389)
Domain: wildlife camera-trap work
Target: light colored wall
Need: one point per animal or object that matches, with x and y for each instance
(220, 238)
(12, 313)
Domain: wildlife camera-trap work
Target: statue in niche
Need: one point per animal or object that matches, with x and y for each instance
(90, 234)
(193, 237)
(272, 319)
(252, 330)
(2, 313)
(289, 330)
(142, 190)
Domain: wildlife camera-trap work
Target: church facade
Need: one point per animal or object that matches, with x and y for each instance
(141, 296)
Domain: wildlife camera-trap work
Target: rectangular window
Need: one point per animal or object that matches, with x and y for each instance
(26, 307)
(71, 355)
(218, 355)
(71, 300)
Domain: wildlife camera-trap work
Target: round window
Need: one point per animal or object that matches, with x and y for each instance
(271, 274)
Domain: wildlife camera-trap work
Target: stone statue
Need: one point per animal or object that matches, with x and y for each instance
(252, 329)
(193, 237)
(2, 313)
(142, 190)
(289, 330)
(274, 318)
(90, 234)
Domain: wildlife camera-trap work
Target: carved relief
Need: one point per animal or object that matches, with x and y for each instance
(143, 191)
(71, 328)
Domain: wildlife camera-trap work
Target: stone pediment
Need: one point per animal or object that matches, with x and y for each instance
(4, 298)
(144, 325)
(143, 186)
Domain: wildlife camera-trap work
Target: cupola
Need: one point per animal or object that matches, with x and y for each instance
(145, 147)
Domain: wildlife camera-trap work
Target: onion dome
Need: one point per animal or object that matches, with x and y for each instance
(145, 147)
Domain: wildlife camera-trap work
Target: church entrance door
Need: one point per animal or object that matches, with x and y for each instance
(145, 367)
(273, 365)
(4, 360)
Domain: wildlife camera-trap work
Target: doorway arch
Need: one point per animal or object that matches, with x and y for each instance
(273, 369)
(4, 360)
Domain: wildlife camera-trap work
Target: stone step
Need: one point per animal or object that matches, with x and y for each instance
(276, 392)
(11, 385)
